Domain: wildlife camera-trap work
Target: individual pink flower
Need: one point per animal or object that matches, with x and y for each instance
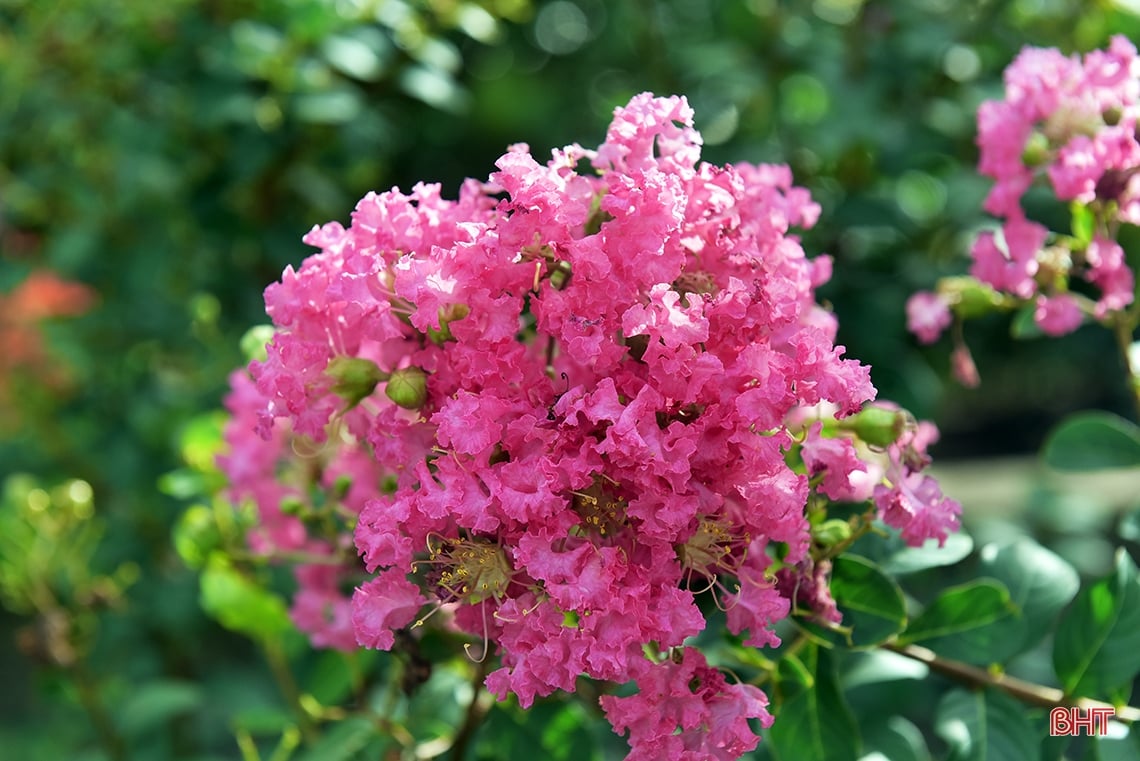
(1058, 315)
(927, 315)
(1109, 271)
(382, 605)
(835, 461)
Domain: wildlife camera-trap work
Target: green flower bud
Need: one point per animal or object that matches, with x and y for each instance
(970, 298)
(447, 315)
(1036, 151)
(408, 388)
(831, 532)
(355, 378)
(877, 426)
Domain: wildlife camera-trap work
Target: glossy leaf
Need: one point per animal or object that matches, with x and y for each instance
(1097, 648)
(985, 725)
(1093, 441)
(870, 602)
(958, 622)
(817, 724)
(238, 603)
(1040, 585)
(908, 559)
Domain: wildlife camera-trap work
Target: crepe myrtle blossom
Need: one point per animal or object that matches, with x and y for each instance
(1069, 123)
(557, 408)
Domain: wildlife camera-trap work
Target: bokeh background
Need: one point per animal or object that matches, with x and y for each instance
(159, 163)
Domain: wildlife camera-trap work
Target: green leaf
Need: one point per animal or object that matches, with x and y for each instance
(896, 739)
(871, 603)
(196, 535)
(908, 559)
(985, 725)
(958, 622)
(1093, 441)
(334, 674)
(343, 742)
(148, 707)
(239, 604)
(202, 439)
(816, 725)
(1122, 745)
(1023, 325)
(1084, 221)
(1097, 648)
(1040, 585)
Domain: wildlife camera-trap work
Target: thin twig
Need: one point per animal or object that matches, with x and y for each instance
(1027, 692)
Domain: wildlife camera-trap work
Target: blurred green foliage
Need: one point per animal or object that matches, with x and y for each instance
(170, 156)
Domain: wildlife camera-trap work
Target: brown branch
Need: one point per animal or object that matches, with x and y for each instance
(1027, 692)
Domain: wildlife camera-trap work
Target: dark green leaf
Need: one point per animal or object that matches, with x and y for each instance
(1023, 325)
(151, 705)
(958, 621)
(343, 741)
(871, 603)
(1040, 585)
(1093, 441)
(896, 739)
(1097, 648)
(816, 725)
(985, 725)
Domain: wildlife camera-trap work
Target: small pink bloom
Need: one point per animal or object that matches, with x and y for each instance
(1058, 315)
(927, 315)
(382, 605)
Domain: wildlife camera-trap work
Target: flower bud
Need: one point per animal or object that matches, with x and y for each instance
(447, 315)
(969, 297)
(877, 426)
(407, 388)
(831, 532)
(1036, 151)
(355, 378)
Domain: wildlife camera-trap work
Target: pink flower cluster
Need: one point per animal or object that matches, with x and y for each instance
(576, 381)
(1073, 123)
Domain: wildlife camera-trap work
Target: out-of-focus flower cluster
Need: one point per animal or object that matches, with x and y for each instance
(1070, 123)
(554, 413)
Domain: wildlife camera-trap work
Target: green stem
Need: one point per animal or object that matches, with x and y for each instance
(279, 665)
(93, 705)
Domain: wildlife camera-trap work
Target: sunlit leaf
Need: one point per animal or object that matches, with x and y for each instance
(1097, 647)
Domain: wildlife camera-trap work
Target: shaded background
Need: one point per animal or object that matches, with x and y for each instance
(169, 156)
